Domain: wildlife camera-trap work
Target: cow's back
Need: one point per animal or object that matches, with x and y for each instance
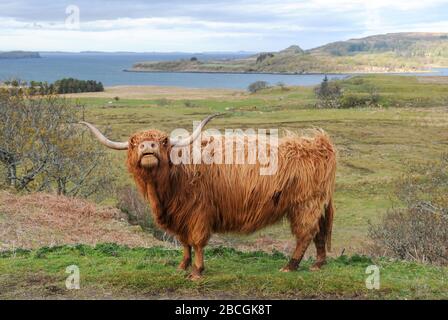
(238, 198)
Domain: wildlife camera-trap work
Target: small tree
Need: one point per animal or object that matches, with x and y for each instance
(42, 148)
(257, 86)
(328, 94)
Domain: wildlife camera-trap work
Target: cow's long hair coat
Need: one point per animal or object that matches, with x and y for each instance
(194, 201)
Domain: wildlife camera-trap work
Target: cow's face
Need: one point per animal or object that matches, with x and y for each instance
(149, 149)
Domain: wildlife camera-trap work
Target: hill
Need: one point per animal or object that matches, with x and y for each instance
(19, 55)
(396, 52)
(404, 44)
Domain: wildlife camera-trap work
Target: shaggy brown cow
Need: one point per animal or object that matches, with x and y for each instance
(195, 201)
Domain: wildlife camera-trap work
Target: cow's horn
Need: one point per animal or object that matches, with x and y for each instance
(108, 143)
(189, 140)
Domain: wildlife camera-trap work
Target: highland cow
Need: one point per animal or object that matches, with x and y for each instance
(193, 201)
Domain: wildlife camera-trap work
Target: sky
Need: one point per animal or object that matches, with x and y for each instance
(199, 26)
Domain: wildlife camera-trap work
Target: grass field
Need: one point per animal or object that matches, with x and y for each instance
(109, 270)
(374, 144)
(374, 147)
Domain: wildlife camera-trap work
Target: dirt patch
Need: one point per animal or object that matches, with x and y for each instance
(36, 220)
(155, 92)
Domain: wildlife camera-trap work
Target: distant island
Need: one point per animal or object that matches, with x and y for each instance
(394, 52)
(19, 55)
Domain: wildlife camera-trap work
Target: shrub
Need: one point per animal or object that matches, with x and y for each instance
(190, 104)
(40, 149)
(70, 85)
(162, 102)
(419, 231)
(257, 86)
(417, 234)
(328, 94)
(351, 100)
(138, 212)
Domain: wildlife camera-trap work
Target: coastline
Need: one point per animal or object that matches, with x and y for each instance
(279, 73)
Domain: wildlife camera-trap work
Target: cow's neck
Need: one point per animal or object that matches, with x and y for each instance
(159, 191)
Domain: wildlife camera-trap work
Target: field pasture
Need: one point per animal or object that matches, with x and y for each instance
(374, 144)
(375, 147)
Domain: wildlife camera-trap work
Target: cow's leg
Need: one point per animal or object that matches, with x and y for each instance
(304, 225)
(320, 243)
(198, 266)
(186, 260)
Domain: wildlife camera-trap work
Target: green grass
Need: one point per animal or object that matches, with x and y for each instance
(374, 144)
(151, 272)
(399, 91)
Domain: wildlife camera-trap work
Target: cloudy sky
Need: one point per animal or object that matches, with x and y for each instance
(198, 25)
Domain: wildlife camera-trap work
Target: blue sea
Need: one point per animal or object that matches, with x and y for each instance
(108, 68)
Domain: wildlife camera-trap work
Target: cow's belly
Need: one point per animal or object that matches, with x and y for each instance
(246, 221)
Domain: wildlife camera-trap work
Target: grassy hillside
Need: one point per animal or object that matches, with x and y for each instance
(398, 52)
(404, 44)
(112, 271)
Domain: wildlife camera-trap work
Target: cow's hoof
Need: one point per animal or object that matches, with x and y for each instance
(317, 265)
(285, 269)
(194, 276)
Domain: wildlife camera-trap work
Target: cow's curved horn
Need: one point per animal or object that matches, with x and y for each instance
(108, 143)
(189, 140)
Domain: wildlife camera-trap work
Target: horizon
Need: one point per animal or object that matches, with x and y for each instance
(212, 52)
(201, 27)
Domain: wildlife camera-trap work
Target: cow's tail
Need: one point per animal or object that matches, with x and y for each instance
(329, 214)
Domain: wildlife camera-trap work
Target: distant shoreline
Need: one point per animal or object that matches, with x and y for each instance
(234, 72)
(12, 55)
(280, 73)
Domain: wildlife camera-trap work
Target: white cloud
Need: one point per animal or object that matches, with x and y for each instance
(246, 25)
